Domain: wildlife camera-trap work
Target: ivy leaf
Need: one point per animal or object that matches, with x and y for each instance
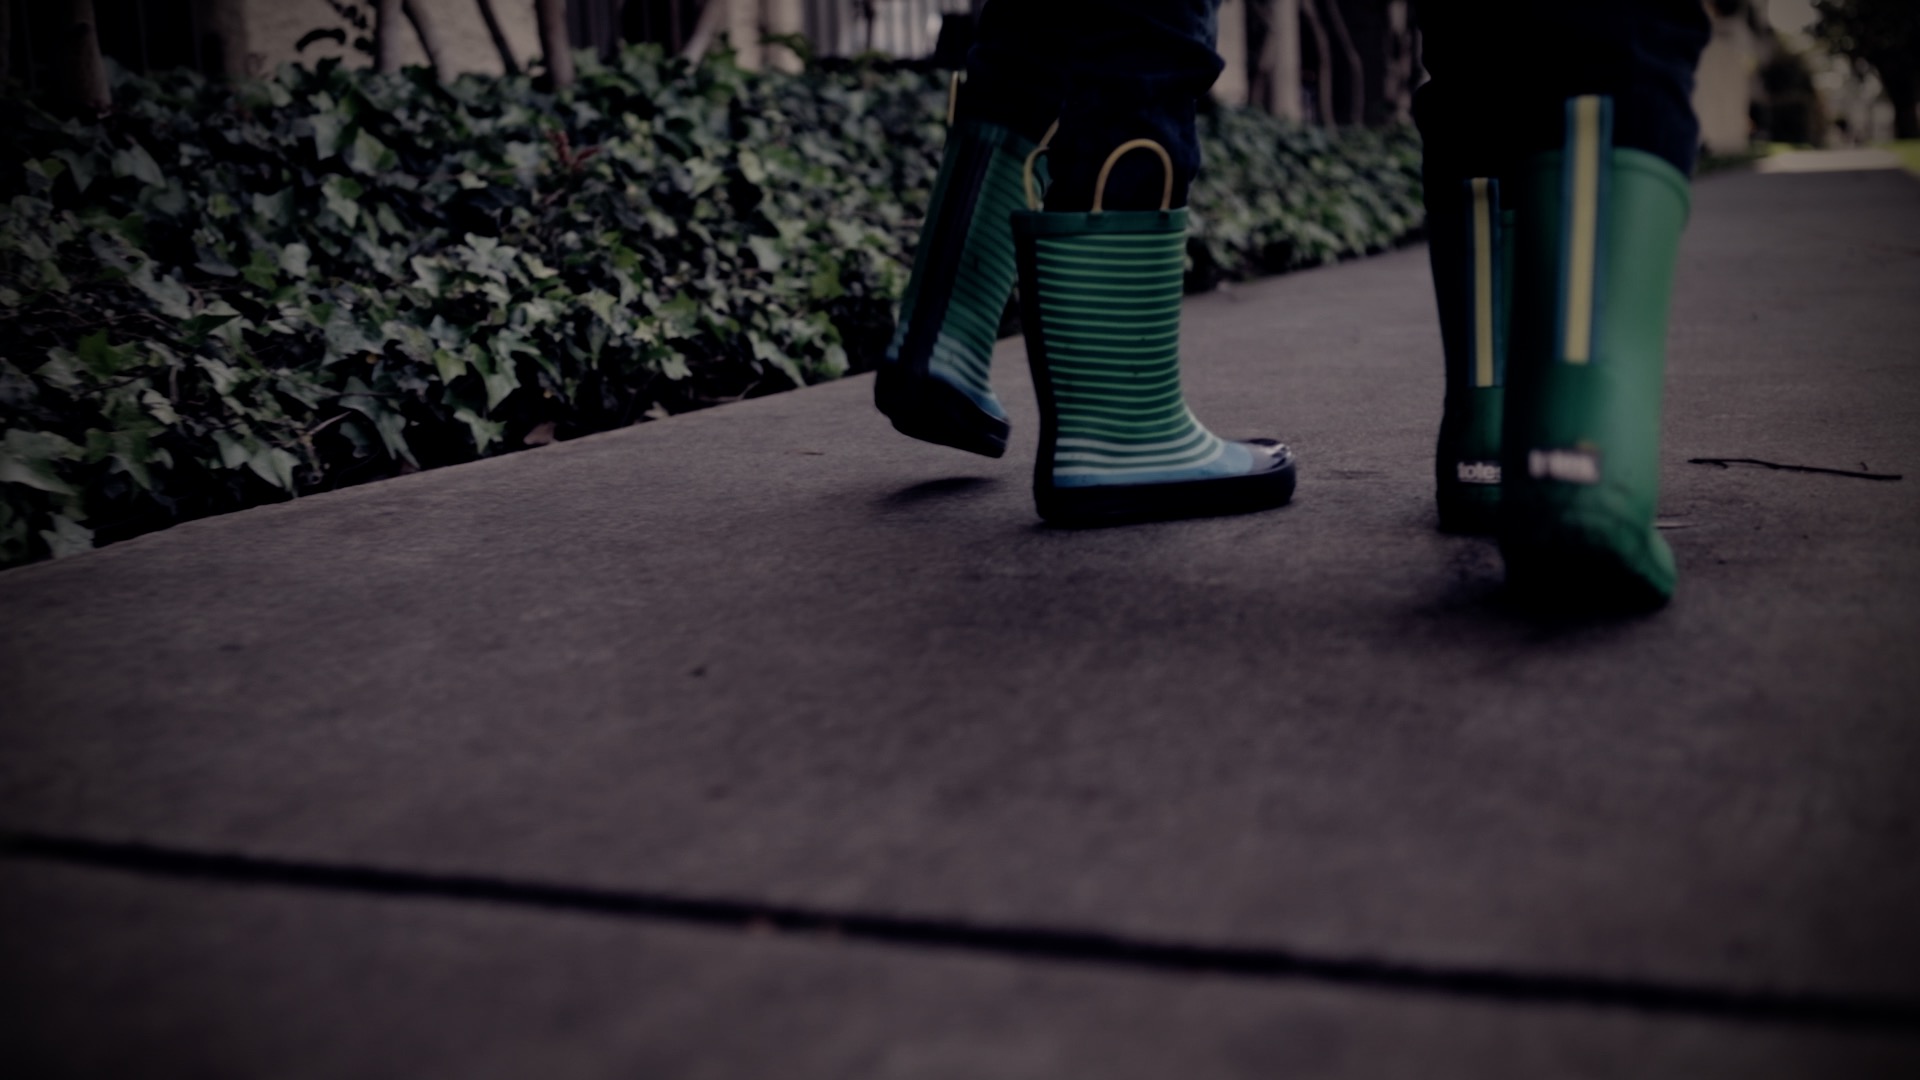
(496, 367)
(825, 283)
(485, 432)
(346, 337)
(28, 457)
(17, 390)
(159, 407)
(834, 364)
(275, 209)
(766, 253)
(679, 317)
(430, 273)
(167, 293)
(341, 193)
(269, 463)
(224, 377)
(137, 163)
(295, 258)
(601, 304)
(42, 174)
(200, 327)
(327, 131)
(127, 449)
(390, 424)
(414, 343)
(100, 358)
(275, 466)
(60, 371)
(751, 167)
(765, 349)
(448, 365)
(370, 156)
(67, 537)
(261, 271)
(673, 365)
(84, 166)
(50, 277)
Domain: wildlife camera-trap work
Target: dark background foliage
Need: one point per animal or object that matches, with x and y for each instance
(225, 295)
(1883, 35)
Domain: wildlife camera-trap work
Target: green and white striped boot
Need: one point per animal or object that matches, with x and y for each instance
(1470, 243)
(934, 382)
(1100, 303)
(1596, 239)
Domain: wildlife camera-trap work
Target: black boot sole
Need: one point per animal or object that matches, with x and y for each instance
(1468, 511)
(1560, 570)
(927, 409)
(1121, 504)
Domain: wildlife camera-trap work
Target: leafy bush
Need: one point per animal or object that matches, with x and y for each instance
(222, 296)
(1272, 197)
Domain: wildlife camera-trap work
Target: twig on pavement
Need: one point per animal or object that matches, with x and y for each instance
(1857, 474)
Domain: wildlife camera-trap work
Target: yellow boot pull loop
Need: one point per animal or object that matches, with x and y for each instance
(953, 96)
(1166, 163)
(1026, 176)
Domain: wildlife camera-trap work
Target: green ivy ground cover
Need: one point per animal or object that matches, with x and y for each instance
(222, 296)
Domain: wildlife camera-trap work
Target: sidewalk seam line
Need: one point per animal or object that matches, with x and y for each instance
(1036, 943)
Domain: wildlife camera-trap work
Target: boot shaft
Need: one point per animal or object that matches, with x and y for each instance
(1100, 301)
(1597, 237)
(1470, 230)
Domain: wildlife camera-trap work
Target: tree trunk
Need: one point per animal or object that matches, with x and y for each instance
(1323, 50)
(86, 72)
(1356, 71)
(1231, 44)
(1400, 62)
(554, 43)
(1902, 88)
(743, 31)
(386, 35)
(1280, 60)
(223, 38)
(507, 60)
(782, 18)
(430, 39)
(713, 18)
(6, 40)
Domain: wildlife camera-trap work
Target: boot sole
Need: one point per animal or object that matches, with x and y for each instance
(1468, 511)
(1562, 567)
(1121, 504)
(927, 409)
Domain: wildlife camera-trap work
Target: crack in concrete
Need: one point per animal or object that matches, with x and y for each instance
(1034, 943)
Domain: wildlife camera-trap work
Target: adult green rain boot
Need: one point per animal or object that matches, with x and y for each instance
(1470, 244)
(934, 381)
(1100, 303)
(1596, 239)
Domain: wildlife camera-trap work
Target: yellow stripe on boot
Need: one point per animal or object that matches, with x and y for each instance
(1583, 244)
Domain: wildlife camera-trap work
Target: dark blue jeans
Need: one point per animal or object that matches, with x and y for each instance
(1501, 70)
(1109, 71)
(1114, 70)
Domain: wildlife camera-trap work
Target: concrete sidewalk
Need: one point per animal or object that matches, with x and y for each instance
(527, 763)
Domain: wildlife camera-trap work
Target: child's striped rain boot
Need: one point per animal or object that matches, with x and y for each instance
(934, 382)
(1100, 304)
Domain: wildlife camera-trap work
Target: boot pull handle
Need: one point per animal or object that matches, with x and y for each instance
(1166, 163)
(1026, 176)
